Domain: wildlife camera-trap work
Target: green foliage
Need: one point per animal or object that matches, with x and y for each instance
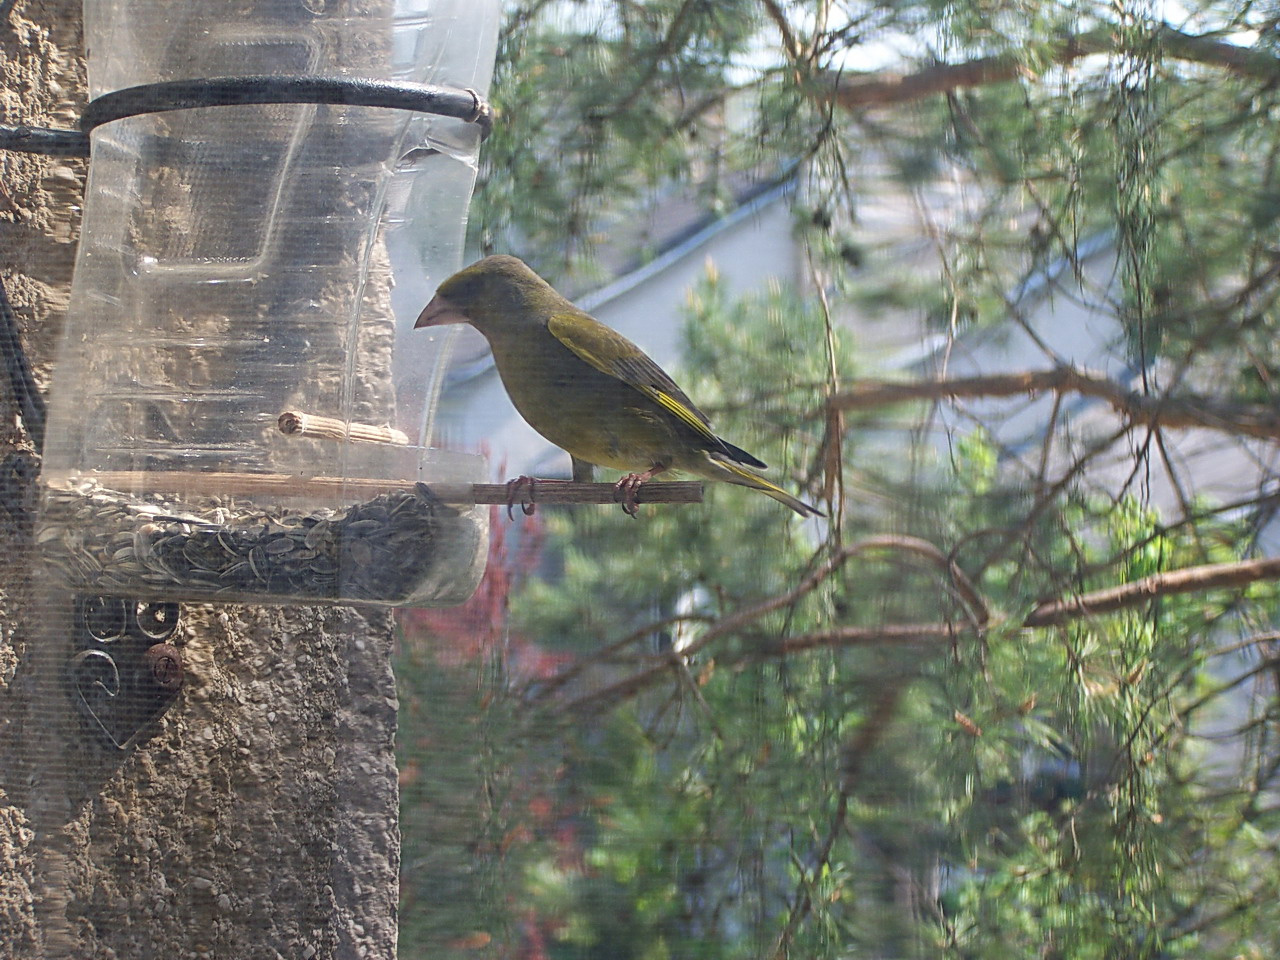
(1056, 811)
(457, 803)
(602, 105)
(1100, 788)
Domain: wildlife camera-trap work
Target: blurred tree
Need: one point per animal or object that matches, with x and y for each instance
(1005, 703)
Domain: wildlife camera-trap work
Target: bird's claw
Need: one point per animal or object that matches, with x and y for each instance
(626, 491)
(514, 488)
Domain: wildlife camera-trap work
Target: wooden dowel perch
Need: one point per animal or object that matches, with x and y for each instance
(194, 483)
(295, 423)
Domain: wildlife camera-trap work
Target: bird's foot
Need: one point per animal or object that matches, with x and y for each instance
(628, 488)
(514, 488)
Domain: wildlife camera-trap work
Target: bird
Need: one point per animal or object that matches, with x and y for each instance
(588, 389)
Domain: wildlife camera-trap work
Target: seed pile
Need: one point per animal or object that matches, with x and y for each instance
(381, 550)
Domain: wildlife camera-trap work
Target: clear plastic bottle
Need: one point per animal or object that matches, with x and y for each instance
(240, 261)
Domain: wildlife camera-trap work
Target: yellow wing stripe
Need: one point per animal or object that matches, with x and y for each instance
(683, 413)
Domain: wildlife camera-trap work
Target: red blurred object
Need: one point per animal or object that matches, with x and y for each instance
(475, 629)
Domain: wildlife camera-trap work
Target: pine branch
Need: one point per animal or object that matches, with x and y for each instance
(789, 43)
(646, 675)
(1249, 420)
(853, 759)
(1050, 613)
(1212, 576)
(857, 92)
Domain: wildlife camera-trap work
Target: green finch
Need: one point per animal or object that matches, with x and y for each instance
(588, 389)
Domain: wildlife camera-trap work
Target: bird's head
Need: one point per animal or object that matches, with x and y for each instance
(490, 294)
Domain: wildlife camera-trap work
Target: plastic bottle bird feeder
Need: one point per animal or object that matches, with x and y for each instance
(265, 254)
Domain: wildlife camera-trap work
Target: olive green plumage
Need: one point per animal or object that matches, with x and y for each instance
(585, 387)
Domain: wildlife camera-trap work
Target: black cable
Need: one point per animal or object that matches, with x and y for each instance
(462, 104)
(226, 91)
(51, 143)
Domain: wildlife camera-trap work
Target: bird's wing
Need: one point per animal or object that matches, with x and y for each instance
(613, 354)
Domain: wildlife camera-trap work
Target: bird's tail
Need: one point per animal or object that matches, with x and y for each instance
(718, 469)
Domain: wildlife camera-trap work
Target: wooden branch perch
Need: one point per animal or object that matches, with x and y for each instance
(195, 483)
(1250, 420)
(858, 92)
(295, 423)
(570, 491)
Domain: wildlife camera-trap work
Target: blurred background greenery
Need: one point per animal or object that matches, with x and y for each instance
(720, 732)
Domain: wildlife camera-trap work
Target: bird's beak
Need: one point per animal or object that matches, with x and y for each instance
(440, 312)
